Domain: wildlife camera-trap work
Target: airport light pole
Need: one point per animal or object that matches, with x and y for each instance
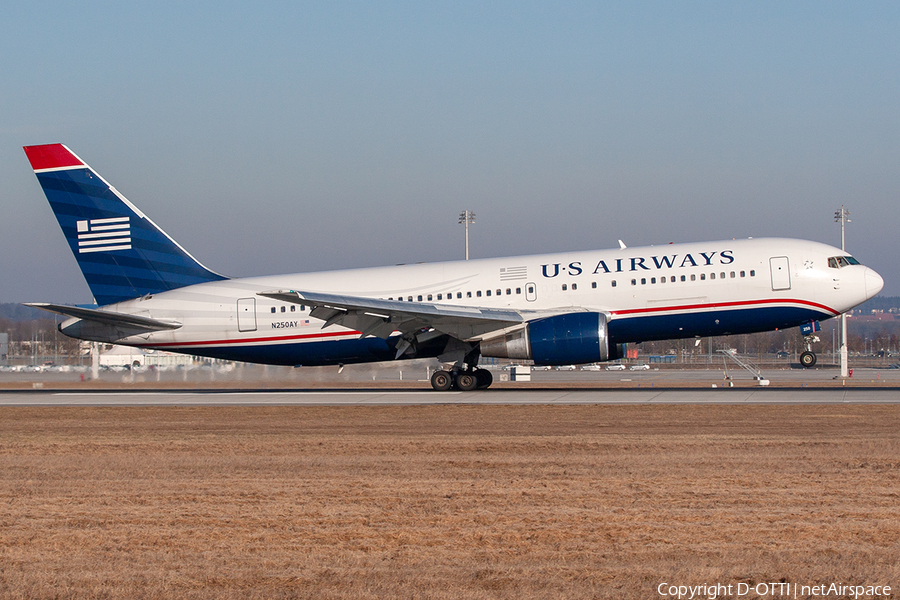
(842, 216)
(465, 218)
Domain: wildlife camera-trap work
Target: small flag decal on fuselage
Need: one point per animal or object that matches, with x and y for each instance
(513, 273)
(104, 235)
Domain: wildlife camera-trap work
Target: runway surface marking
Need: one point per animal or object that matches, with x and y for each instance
(414, 397)
(251, 393)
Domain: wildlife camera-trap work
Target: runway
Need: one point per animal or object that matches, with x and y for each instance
(389, 397)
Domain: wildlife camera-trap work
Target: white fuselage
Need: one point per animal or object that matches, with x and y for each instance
(654, 292)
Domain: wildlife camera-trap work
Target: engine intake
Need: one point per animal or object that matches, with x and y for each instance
(570, 339)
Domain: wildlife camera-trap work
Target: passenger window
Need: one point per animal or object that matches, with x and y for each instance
(743, 274)
(565, 287)
(499, 292)
(273, 309)
(429, 297)
(693, 278)
(478, 293)
(293, 308)
(702, 276)
(594, 285)
(574, 286)
(440, 296)
(409, 298)
(468, 294)
(283, 309)
(530, 289)
(732, 274)
(721, 275)
(683, 278)
(643, 281)
(518, 290)
(419, 298)
(459, 295)
(488, 292)
(634, 282)
(508, 292)
(712, 275)
(614, 283)
(653, 280)
(662, 279)
(752, 273)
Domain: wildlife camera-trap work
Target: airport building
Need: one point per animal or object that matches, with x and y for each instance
(126, 356)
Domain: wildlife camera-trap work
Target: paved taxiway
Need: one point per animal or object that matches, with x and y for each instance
(382, 397)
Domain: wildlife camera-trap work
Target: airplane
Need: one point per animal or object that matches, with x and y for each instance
(553, 309)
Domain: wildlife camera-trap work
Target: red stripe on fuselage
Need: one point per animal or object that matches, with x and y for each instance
(251, 340)
(742, 303)
(617, 313)
(51, 156)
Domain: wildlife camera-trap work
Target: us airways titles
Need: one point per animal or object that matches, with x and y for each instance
(642, 263)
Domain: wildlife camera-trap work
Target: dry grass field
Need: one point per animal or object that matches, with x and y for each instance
(444, 501)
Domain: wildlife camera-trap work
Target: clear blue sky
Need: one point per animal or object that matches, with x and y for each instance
(277, 137)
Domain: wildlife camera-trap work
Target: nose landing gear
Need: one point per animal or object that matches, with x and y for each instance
(808, 358)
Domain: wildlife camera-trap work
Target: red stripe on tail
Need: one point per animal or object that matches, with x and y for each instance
(51, 156)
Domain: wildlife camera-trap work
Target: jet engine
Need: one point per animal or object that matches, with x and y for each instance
(569, 339)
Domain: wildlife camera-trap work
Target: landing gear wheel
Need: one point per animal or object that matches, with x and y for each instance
(808, 359)
(441, 381)
(466, 381)
(484, 377)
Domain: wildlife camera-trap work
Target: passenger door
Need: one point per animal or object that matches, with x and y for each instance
(781, 273)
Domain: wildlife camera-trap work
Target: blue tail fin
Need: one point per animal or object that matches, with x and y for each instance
(121, 252)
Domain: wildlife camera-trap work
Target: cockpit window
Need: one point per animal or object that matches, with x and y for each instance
(836, 262)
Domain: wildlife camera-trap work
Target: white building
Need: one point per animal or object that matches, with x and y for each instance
(125, 356)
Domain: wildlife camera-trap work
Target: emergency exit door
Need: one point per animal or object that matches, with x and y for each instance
(781, 273)
(246, 314)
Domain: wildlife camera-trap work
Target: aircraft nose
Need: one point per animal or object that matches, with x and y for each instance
(874, 283)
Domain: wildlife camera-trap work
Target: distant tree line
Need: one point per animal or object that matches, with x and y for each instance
(33, 332)
(11, 311)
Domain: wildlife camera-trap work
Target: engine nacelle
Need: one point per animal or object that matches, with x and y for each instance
(570, 339)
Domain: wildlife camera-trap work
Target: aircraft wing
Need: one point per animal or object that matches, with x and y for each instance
(371, 316)
(132, 323)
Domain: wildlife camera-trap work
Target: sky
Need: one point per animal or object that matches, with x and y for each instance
(282, 137)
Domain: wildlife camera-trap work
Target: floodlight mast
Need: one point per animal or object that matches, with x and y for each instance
(465, 218)
(842, 216)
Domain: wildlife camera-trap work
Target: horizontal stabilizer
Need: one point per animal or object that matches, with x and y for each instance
(102, 317)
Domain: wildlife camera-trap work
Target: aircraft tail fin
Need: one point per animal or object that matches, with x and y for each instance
(121, 252)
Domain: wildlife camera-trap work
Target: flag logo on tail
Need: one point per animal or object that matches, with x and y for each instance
(104, 235)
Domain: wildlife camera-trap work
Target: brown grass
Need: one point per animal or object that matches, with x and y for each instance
(443, 501)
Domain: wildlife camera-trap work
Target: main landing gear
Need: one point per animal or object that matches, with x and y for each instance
(462, 380)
